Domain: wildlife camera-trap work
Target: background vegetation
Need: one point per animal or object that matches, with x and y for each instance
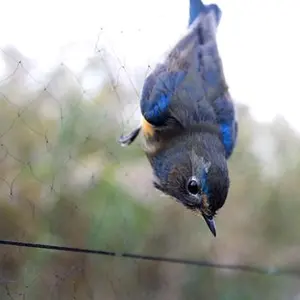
(64, 180)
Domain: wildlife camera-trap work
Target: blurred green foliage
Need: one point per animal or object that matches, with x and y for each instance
(65, 181)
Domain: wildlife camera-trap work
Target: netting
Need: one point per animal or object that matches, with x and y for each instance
(65, 181)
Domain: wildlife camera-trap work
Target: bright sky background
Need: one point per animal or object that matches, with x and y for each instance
(258, 40)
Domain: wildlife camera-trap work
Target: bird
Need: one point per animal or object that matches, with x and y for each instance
(188, 118)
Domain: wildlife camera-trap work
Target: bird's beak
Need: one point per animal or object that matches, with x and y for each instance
(211, 224)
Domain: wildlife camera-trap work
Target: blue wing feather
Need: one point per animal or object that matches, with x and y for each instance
(229, 135)
(225, 113)
(157, 93)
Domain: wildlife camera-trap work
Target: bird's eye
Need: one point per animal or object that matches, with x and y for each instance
(193, 187)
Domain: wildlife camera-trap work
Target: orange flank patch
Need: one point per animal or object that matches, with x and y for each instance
(147, 128)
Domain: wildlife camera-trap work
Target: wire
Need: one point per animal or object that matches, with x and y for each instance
(198, 263)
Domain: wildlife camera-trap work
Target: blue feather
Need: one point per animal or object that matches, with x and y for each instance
(204, 183)
(224, 109)
(157, 93)
(155, 112)
(228, 138)
(225, 114)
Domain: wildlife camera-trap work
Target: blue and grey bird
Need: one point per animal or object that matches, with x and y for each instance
(189, 121)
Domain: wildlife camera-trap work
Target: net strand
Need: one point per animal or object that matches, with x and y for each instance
(198, 263)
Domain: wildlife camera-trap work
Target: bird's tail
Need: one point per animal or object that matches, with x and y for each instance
(197, 7)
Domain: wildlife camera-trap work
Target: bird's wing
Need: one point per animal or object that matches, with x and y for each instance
(205, 77)
(160, 86)
(209, 72)
(193, 65)
(157, 92)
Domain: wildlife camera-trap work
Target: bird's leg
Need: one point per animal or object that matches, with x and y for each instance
(196, 6)
(128, 139)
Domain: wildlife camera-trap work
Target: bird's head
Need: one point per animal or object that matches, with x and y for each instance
(195, 173)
